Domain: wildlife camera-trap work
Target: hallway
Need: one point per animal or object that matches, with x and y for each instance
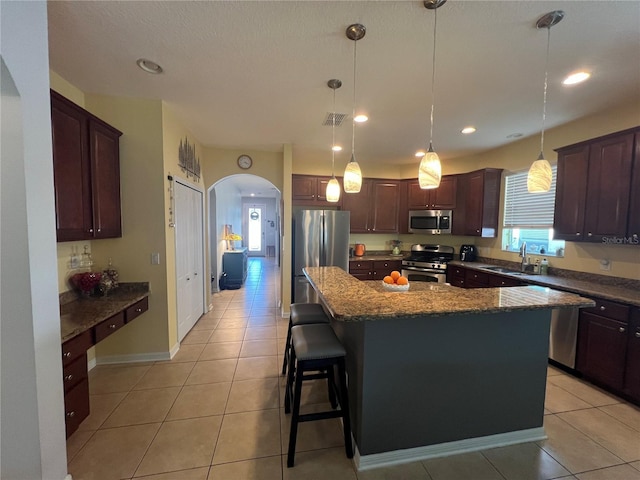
(214, 412)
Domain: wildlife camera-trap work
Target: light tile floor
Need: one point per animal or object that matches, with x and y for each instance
(214, 412)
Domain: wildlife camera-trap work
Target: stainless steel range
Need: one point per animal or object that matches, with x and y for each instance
(427, 263)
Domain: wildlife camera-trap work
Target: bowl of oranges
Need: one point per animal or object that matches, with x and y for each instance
(394, 282)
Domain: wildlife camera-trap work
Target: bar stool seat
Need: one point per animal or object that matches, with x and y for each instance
(315, 348)
(302, 314)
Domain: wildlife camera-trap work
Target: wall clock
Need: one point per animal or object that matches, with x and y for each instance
(245, 161)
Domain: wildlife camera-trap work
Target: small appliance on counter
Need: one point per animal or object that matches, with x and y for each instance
(360, 249)
(468, 253)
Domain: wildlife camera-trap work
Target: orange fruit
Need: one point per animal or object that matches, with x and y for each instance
(395, 275)
(402, 281)
(388, 279)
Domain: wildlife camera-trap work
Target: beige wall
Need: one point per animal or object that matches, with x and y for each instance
(173, 132)
(143, 185)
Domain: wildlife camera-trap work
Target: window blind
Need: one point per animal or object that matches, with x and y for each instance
(528, 210)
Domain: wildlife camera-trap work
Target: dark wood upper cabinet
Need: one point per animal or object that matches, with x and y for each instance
(375, 209)
(86, 166)
(477, 203)
(633, 225)
(597, 188)
(609, 184)
(311, 191)
(443, 197)
(571, 192)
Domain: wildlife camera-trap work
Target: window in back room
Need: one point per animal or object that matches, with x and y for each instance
(528, 217)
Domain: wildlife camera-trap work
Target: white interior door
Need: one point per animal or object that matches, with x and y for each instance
(189, 257)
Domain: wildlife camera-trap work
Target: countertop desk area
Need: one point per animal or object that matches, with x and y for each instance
(440, 370)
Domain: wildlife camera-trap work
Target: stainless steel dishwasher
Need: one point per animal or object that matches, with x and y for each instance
(564, 336)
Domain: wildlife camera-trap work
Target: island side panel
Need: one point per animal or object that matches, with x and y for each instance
(351, 335)
(426, 381)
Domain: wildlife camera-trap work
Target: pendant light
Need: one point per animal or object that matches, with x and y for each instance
(430, 170)
(333, 187)
(540, 174)
(353, 174)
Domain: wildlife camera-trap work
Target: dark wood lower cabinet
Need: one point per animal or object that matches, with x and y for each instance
(74, 362)
(76, 405)
(602, 343)
(373, 269)
(632, 366)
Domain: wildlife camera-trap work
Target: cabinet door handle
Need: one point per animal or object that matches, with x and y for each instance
(589, 234)
(71, 414)
(99, 230)
(196, 274)
(112, 326)
(138, 309)
(91, 230)
(637, 334)
(188, 279)
(67, 354)
(622, 329)
(577, 234)
(602, 308)
(68, 377)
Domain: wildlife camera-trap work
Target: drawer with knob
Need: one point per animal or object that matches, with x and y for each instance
(75, 372)
(76, 347)
(108, 326)
(76, 406)
(609, 309)
(137, 309)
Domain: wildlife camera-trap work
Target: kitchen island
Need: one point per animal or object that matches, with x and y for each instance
(440, 370)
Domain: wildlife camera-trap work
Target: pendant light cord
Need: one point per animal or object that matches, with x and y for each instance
(544, 96)
(333, 135)
(353, 112)
(433, 77)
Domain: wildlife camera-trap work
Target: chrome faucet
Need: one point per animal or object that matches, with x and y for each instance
(523, 254)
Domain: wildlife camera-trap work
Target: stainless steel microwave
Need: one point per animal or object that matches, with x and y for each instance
(433, 222)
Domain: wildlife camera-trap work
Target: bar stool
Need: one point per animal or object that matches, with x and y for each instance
(302, 314)
(315, 348)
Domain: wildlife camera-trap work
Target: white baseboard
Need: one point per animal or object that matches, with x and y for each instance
(377, 460)
(136, 357)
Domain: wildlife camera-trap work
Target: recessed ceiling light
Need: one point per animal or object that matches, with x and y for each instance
(577, 77)
(336, 148)
(360, 118)
(514, 135)
(468, 130)
(252, 195)
(149, 66)
(420, 153)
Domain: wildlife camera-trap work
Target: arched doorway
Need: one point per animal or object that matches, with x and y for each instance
(231, 201)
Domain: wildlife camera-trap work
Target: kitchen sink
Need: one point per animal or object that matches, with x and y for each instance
(503, 270)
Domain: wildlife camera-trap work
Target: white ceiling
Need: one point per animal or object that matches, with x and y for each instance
(252, 74)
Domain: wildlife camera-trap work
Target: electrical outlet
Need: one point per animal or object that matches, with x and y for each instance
(605, 265)
(155, 259)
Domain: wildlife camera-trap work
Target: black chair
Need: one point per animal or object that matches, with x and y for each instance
(315, 348)
(302, 314)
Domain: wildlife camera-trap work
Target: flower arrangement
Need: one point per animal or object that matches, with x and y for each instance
(396, 244)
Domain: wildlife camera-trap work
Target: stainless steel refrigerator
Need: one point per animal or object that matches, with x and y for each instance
(320, 238)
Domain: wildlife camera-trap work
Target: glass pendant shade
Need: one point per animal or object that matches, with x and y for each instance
(352, 177)
(539, 176)
(333, 190)
(430, 171)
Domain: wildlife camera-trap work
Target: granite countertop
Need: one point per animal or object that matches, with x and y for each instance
(85, 312)
(350, 299)
(619, 293)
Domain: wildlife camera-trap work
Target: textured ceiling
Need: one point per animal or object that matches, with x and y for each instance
(252, 74)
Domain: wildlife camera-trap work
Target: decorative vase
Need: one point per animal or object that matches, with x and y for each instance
(396, 250)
